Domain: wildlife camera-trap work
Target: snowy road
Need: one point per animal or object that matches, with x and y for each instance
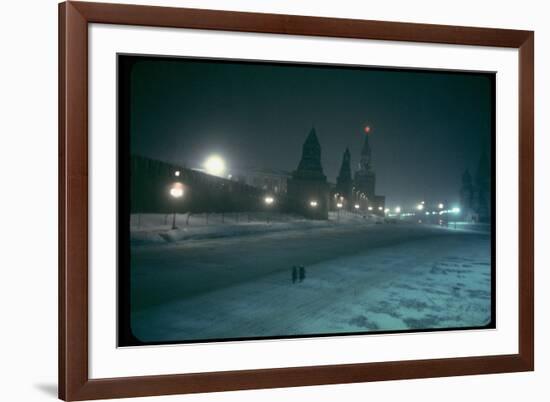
(358, 278)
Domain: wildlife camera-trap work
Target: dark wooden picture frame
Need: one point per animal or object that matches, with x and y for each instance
(74, 381)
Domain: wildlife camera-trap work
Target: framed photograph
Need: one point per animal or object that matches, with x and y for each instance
(257, 200)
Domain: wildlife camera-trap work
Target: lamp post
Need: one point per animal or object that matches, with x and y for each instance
(339, 206)
(268, 201)
(176, 191)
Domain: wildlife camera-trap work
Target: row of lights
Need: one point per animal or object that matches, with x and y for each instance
(215, 165)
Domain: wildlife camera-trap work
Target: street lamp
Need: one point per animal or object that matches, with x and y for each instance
(397, 210)
(176, 191)
(177, 173)
(369, 208)
(313, 203)
(420, 207)
(269, 201)
(440, 206)
(356, 206)
(339, 205)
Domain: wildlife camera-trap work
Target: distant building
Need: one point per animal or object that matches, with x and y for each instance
(483, 188)
(475, 196)
(364, 184)
(272, 181)
(467, 196)
(308, 190)
(344, 183)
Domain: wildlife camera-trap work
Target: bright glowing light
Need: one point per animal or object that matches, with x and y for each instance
(339, 205)
(387, 210)
(440, 206)
(176, 190)
(380, 208)
(420, 207)
(356, 206)
(433, 213)
(214, 165)
(177, 173)
(269, 200)
(313, 203)
(367, 129)
(455, 210)
(369, 208)
(397, 209)
(427, 213)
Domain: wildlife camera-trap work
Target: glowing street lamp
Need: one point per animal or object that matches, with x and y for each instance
(380, 208)
(420, 206)
(386, 210)
(313, 204)
(269, 202)
(356, 206)
(455, 210)
(397, 210)
(339, 206)
(176, 191)
(440, 206)
(369, 208)
(214, 165)
(177, 173)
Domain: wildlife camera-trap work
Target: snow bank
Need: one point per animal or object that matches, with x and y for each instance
(156, 228)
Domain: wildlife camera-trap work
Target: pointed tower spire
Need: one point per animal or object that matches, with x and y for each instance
(310, 163)
(365, 163)
(344, 182)
(345, 168)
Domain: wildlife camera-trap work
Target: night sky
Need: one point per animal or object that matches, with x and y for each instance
(427, 126)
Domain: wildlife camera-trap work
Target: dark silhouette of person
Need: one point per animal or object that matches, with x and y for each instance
(294, 274)
(302, 274)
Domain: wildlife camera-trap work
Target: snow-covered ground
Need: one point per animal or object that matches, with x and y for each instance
(359, 277)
